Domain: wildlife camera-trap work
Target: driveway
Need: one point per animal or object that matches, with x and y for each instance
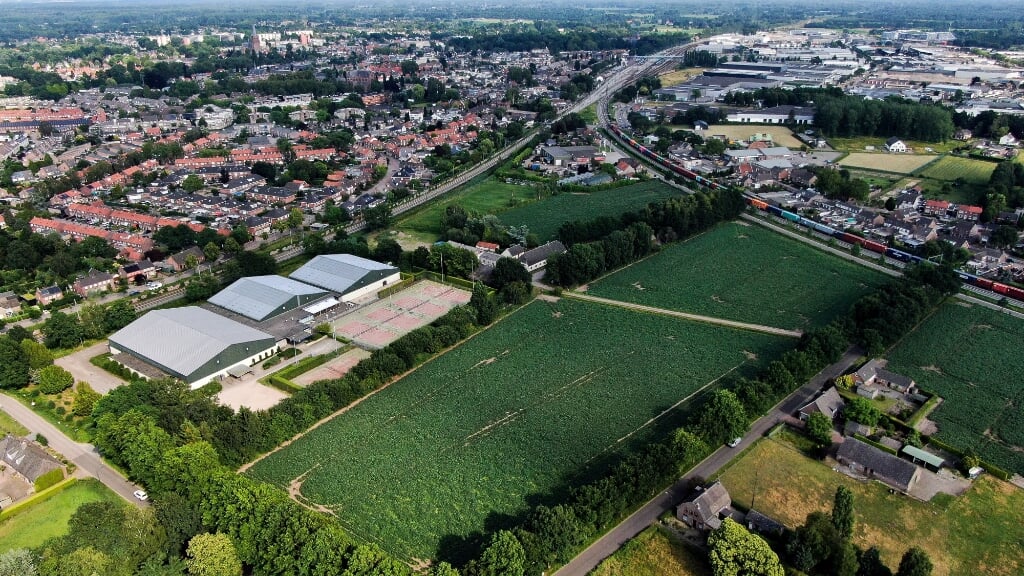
(79, 366)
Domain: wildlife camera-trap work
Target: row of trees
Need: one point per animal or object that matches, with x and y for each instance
(854, 116)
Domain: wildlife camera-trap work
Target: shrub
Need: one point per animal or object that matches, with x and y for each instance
(42, 439)
(54, 380)
(48, 479)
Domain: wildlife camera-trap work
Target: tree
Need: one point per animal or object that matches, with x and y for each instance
(211, 252)
(295, 218)
(842, 513)
(14, 365)
(84, 400)
(192, 183)
(17, 333)
(387, 250)
(819, 429)
(504, 556)
(212, 555)
(54, 380)
(863, 411)
(486, 309)
(118, 315)
(231, 246)
(62, 331)
(38, 356)
(18, 562)
(870, 564)
(508, 270)
(915, 562)
(202, 287)
(378, 217)
(736, 552)
(723, 418)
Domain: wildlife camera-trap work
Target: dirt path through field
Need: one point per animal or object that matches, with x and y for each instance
(686, 316)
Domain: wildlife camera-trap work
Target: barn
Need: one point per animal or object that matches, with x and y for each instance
(190, 343)
(260, 298)
(348, 276)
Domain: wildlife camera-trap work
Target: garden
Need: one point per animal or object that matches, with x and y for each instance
(544, 400)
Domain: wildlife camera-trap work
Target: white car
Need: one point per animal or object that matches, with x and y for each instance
(141, 495)
(734, 442)
(154, 285)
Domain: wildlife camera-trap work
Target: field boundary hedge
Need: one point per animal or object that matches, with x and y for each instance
(38, 497)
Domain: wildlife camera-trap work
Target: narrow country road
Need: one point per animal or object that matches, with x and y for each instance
(686, 315)
(648, 514)
(83, 455)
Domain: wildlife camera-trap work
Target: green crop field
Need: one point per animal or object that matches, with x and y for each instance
(544, 397)
(545, 217)
(31, 526)
(949, 168)
(971, 356)
(886, 162)
(745, 273)
(487, 196)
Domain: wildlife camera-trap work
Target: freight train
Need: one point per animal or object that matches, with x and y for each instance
(864, 243)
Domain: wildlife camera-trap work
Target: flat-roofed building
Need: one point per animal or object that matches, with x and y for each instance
(262, 297)
(351, 277)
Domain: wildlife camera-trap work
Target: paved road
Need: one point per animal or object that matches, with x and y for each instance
(644, 517)
(83, 455)
(706, 319)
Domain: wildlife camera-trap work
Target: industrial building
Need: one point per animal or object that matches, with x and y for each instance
(190, 343)
(348, 276)
(260, 298)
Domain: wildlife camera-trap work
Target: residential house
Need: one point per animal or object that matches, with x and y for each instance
(707, 509)
(1008, 140)
(94, 281)
(829, 403)
(968, 212)
(874, 374)
(28, 459)
(895, 145)
(866, 460)
(937, 208)
(9, 304)
(138, 272)
(49, 294)
(179, 261)
(962, 134)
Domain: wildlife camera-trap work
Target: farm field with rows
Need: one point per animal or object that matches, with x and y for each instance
(548, 396)
(744, 273)
(971, 357)
(949, 168)
(543, 218)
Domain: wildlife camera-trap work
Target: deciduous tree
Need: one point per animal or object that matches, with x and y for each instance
(212, 555)
(819, 429)
(915, 562)
(736, 552)
(842, 513)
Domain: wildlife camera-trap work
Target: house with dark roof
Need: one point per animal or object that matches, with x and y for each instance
(537, 258)
(9, 304)
(138, 272)
(48, 295)
(866, 460)
(28, 459)
(894, 144)
(707, 509)
(94, 281)
(874, 376)
(828, 403)
(180, 260)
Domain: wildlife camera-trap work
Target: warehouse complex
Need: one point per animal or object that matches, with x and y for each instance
(262, 297)
(191, 343)
(351, 277)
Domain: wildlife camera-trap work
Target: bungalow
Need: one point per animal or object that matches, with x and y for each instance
(894, 144)
(828, 403)
(9, 304)
(28, 459)
(864, 459)
(45, 296)
(874, 374)
(706, 510)
(94, 281)
(538, 257)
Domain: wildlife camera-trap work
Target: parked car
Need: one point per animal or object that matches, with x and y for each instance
(154, 285)
(141, 495)
(734, 442)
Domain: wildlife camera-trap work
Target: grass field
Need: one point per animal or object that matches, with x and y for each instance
(488, 196)
(781, 135)
(472, 438)
(679, 76)
(885, 162)
(545, 217)
(654, 552)
(949, 168)
(744, 273)
(9, 425)
(33, 525)
(977, 533)
(971, 356)
(859, 143)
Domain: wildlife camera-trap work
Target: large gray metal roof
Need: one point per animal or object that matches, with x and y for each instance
(258, 297)
(342, 273)
(183, 339)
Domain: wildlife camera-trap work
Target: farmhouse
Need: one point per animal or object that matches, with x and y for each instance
(865, 459)
(828, 403)
(262, 297)
(26, 458)
(874, 375)
(190, 343)
(707, 510)
(895, 145)
(351, 277)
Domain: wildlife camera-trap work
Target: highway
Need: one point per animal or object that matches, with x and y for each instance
(637, 522)
(84, 456)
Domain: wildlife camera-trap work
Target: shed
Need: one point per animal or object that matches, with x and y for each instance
(927, 459)
(240, 370)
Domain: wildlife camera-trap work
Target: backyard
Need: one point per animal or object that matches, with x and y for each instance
(32, 525)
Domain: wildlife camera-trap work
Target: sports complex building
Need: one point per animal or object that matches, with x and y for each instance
(246, 322)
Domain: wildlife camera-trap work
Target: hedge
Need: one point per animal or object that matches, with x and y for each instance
(48, 479)
(38, 497)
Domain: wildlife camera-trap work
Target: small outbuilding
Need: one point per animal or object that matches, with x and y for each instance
(865, 459)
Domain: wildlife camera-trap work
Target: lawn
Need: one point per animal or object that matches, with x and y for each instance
(487, 196)
(31, 526)
(781, 135)
(977, 533)
(470, 440)
(860, 143)
(545, 217)
(9, 425)
(886, 162)
(971, 356)
(745, 273)
(679, 76)
(654, 552)
(949, 168)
